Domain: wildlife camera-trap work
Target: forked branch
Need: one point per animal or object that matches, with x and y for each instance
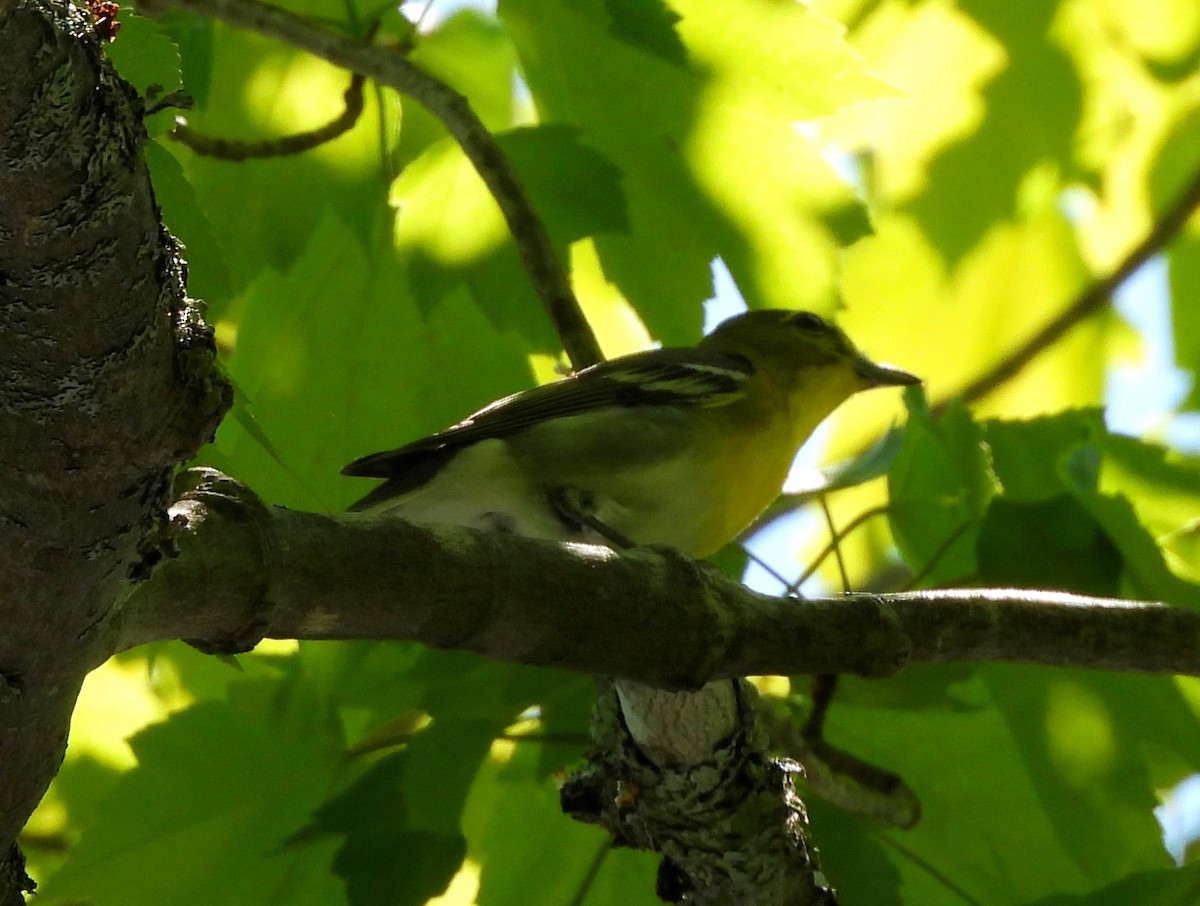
(389, 67)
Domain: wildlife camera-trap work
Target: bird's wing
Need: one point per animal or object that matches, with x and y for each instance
(660, 377)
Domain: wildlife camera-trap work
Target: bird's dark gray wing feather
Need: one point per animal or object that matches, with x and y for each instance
(664, 377)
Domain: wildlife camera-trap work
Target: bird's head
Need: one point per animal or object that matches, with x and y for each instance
(802, 342)
(804, 355)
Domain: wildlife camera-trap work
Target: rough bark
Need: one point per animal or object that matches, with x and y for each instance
(108, 371)
(245, 571)
(720, 810)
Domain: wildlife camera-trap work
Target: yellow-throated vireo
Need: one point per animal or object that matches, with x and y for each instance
(669, 446)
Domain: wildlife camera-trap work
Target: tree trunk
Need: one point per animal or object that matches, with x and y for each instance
(109, 379)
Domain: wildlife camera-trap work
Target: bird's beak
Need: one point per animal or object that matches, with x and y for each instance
(874, 375)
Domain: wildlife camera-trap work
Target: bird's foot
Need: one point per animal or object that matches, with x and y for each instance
(576, 509)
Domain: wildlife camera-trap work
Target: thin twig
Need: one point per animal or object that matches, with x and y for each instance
(824, 687)
(833, 543)
(296, 143)
(768, 569)
(928, 867)
(589, 875)
(1091, 300)
(841, 776)
(387, 67)
(942, 549)
(836, 776)
(835, 539)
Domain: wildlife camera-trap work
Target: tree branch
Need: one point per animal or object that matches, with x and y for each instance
(236, 150)
(244, 571)
(388, 67)
(1095, 297)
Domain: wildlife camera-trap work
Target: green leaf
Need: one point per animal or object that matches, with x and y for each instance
(143, 55)
(1088, 742)
(712, 163)
(471, 52)
(213, 786)
(474, 57)
(854, 858)
(193, 36)
(410, 802)
(1184, 273)
(732, 560)
(514, 803)
(1052, 544)
(1162, 484)
(953, 326)
(974, 840)
(938, 488)
(399, 822)
(1166, 887)
(1037, 537)
(1146, 570)
(575, 188)
(1072, 760)
(874, 463)
(648, 25)
(1030, 454)
(1175, 166)
(264, 211)
(1165, 42)
(330, 356)
(1177, 161)
(208, 274)
(244, 416)
(988, 167)
(565, 725)
(451, 232)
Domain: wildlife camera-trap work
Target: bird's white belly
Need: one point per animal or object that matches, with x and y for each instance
(483, 487)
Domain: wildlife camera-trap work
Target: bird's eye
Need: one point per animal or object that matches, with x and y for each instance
(806, 320)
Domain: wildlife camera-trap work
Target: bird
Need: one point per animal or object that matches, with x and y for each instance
(673, 446)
